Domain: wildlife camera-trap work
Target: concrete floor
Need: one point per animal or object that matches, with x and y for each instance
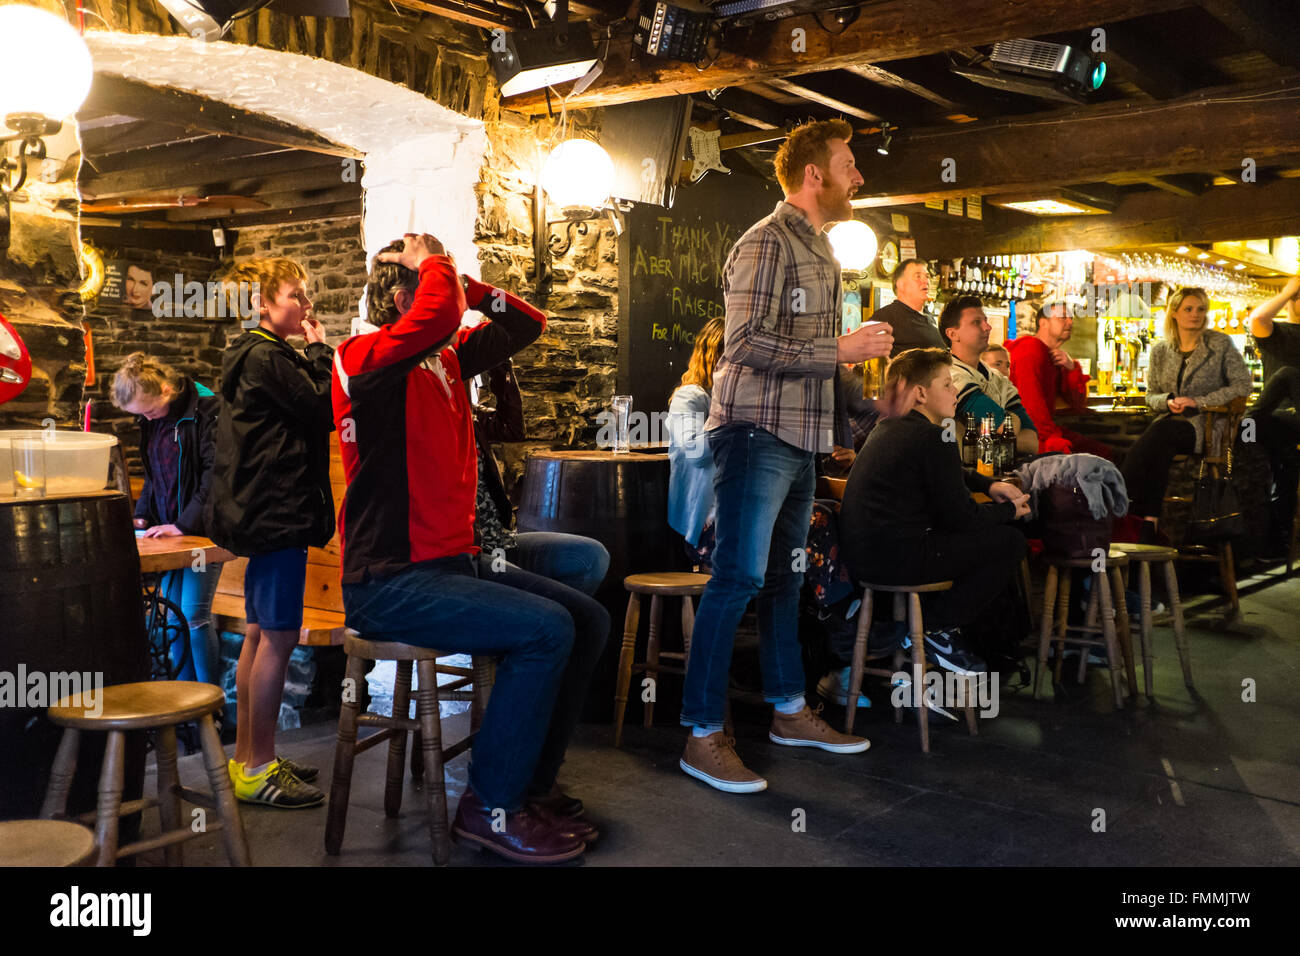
(1214, 781)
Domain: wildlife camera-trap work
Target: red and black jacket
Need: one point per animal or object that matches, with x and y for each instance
(405, 424)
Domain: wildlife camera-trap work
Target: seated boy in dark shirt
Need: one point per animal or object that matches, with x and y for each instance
(908, 516)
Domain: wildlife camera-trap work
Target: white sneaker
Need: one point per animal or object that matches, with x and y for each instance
(834, 686)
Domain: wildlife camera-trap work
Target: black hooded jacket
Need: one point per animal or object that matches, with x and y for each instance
(195, 433)
(271, 486)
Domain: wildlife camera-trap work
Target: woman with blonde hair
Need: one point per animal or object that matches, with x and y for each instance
(271, 501)
(177, 418)
(1192, 367)
(690, 463)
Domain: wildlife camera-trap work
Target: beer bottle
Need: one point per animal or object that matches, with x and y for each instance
(968, 453)
(986, 447)
(1008, 443)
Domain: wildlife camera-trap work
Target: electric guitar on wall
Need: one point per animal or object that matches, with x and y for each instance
(706, 146)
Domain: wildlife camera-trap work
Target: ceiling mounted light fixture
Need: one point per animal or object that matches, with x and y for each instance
(885, 139)
(531, 59)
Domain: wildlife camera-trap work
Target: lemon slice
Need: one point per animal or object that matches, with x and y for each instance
(26, 481)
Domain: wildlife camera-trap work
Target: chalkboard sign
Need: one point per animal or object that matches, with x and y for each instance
(670, 278)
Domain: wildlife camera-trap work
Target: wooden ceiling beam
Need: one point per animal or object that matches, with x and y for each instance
(190, 176)
(882, 77)
(1209, 130)
(891, 31)
(751, 109)
(1265, 25)
(805, 92)
(1140, 219)
(475, 14)
(289, 199)
(206, 148)
(191, 111)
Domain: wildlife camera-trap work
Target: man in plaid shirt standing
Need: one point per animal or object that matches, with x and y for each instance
(773, 409)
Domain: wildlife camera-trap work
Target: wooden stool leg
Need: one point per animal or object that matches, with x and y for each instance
(859, 661)
(484, 678)
(917, 631)
(1144, 624)
(1124, 630)
(1229, 566)
(1090, 619)
(968, 685)
(899, 660)
(1180, 636)
(1062, 620)
(1028, 583)
(65, 766)
(435, 785)
(631, 622)
(688, 628)
(396, 775)
(1108, 632)
(223, 793)
(1045, 626)
(652, 656)
(345, 751)
(169, 797)
(110, 799)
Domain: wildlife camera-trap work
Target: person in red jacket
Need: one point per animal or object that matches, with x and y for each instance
(1043, 373)
(410, 567)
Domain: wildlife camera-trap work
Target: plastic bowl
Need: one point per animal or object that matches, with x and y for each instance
(75, 462)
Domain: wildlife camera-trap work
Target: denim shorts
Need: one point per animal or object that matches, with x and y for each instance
(273, 589)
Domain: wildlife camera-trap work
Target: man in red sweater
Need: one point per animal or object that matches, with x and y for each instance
(411, 570)
(1043, 373)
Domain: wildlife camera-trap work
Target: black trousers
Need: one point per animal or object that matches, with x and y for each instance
(979, 563)
(1146, 466)
(1279, 434)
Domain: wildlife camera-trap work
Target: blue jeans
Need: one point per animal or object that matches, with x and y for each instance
(192, 591)
(571, 559)
(764, 492)
(548, 638)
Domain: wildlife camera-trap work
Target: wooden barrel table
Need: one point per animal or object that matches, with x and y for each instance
(69, 603)
(621, 500)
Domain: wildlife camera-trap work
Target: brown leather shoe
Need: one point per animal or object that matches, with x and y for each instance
(807, 729)
(559, 802)
(713, 759)
(583, 829)
(526, 838)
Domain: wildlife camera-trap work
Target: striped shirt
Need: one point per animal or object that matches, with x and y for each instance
(781, 287)
(985, 391)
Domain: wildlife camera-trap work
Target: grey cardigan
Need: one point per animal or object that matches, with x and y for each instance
(1216, 374)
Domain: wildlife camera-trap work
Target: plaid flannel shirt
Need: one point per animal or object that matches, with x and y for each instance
(781, 287)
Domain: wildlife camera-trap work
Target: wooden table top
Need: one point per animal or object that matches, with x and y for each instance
(596, 454)
(171, 552)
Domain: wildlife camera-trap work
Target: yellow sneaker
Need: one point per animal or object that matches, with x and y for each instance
(276, 787)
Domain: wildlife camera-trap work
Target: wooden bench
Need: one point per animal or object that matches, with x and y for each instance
(322, 601)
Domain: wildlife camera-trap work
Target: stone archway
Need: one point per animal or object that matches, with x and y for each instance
(422, 160)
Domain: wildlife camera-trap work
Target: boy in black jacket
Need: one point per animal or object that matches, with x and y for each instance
(908, 516)
(271, 501)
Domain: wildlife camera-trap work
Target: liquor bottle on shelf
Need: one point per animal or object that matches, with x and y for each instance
(969, 456)
(985, 447)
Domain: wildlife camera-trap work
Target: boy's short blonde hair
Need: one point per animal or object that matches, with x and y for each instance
(266, 273)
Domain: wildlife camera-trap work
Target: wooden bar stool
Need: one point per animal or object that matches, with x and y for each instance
(905, 596)
(427, 727)
(1143, 556)
(1116, 634)
(45, 843)
(682, 584)
(152, 705)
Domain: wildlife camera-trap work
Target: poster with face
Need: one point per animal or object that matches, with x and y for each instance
(136, 288)
(127, 284)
